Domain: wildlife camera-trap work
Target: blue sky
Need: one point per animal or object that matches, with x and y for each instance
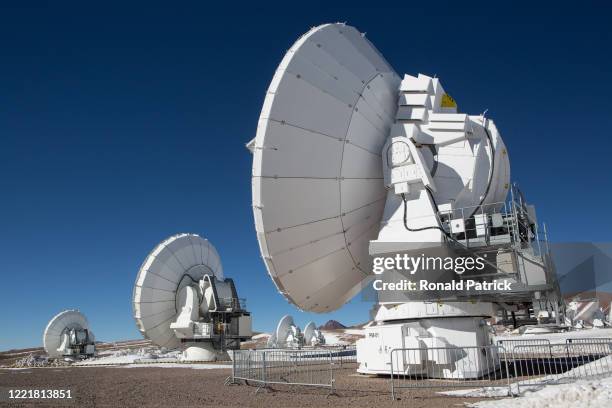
(123, 123)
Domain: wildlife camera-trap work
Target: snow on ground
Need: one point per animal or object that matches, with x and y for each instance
(195, 366)
(583, 393)
(16, 368)
(333, 339)
(342, 337)
(559, 338)
(487, 392)
(598, 392)
(147, 357)
(338, 337)
(104, 360)
(131, 356)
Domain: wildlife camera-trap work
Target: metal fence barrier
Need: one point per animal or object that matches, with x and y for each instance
(530, 363)
(303, 367)
(507, 345)
(343, 354)
(448, 367)
(537, 348)
(589, 340)
(568, 362)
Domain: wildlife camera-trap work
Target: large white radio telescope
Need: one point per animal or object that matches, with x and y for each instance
(181, 299)
(352, 161)
(68, 335)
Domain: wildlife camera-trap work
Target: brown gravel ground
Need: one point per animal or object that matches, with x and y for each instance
(186, 387)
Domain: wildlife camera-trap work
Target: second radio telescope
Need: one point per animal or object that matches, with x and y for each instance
(181, 299)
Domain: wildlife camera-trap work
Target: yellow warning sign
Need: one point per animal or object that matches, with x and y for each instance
(448, 101)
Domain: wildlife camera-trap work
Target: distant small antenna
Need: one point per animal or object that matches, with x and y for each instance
(68, 335)
(287, 334)
(312, 335)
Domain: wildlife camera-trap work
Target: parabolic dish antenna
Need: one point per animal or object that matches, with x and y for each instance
(309, 332)
(179, 261)
(287, 334)
(284, 328)
(312, 335)
(66, 329)
(271, 343)
(325, 119)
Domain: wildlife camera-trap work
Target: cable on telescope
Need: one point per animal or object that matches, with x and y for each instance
(484, 126)
(447, 235)
(436, 227)
(439, 227)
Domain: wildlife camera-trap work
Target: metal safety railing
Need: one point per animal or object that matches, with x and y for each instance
(511, 218)
(567, 362)
(343, 354)
(500, 224)
(303, 367)
(448, 367)
(507, 368)
(587, 340)
(540, 346)
(233, 303)
(340, 352)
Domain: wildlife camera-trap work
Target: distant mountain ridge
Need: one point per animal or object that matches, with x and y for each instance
(332, 325)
